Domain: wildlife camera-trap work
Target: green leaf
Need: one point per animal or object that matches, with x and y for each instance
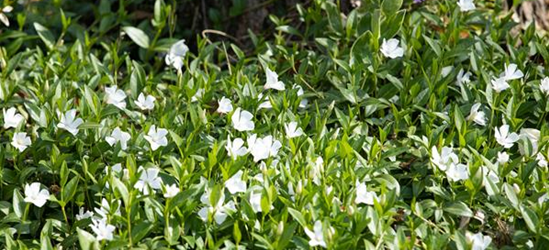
(138, 36)
(511, 195)
(122, 189)
(18, 203)
(45, 34)
(298, 217)
(531, 219)
(86, 240)
(69, 190)
(390, 7)
(137, 79)
(141, 230)
(458, 208)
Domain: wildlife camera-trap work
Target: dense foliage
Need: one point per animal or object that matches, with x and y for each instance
(398, 125)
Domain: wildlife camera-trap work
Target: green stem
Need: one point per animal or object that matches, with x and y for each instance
(65, 215)
(128, 213)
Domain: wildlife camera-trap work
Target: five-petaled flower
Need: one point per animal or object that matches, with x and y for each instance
(504, 138)
(263, 148)
(317, 235)
(242, 120)
(499, 84)
(148, 178)
(21, 141)
(458, 172)
(235, 148)
(35, 195)
(390, 48)
(118, 135)
(11, 118)
(235, 184)
(477, 116)
(145, 102)
(272, 80)
(478, 241)
(116, 97)
(511, 72)
(503, 157)
(176, 54)
(220, 210)
(171, 191)
(69, 122)
(292, 130)
(443, 159)
(225, 106)
(157, 137)
(102, 229)
(466, 5)
(363, 195)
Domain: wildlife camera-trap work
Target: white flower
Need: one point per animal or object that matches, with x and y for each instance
(148, 178)
(316, 236)
(102, 230)
(316, 170)
(35, 195)
(489, 174)
(145, 103)
(176, 54)
(463, 77)
(542, 162)
(503, 157)
(220, 211)
(263, 148)
(242, 120)
(69, 123)
(466, 5)
(544, 86)
(511, 72)
(11, 118)
(292, 130)
(477, 116)
(363, 195)
(458, 172)
(105, 209)
(531, 134)
(446, 158)
(3, 18)
(266, 104)
(391, 49)
(255, 201)
(157, 137)
(225, 105)
(171, 191)
(83, 215)
(198, 95)
(499, 84)
(235, 184)
(118, 135)
(21, 141)
(446, 71)
(303, 103)
(116, 97)
(478, 241)
(235, 148)
(272, 80)
(504, 138)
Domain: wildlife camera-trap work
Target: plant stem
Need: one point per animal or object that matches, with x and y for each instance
(65, 215)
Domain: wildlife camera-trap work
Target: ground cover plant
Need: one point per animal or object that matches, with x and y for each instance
(395, 125)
